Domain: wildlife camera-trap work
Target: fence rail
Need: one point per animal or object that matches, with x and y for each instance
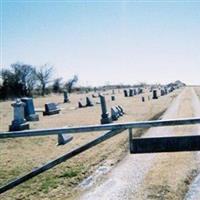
(91, 128)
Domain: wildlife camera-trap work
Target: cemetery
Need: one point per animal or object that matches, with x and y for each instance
(55, 111)
(99, 100)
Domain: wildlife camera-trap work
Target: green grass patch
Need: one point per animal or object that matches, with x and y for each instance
(50, 182)
(70, 173)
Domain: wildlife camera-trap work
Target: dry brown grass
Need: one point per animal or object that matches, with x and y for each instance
(19, 156)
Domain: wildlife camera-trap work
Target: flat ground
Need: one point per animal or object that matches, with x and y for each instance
(21, 155)
(156, 176)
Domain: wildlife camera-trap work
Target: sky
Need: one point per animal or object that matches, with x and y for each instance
(105, 42)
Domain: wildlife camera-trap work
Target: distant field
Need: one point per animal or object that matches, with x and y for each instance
(19, 156)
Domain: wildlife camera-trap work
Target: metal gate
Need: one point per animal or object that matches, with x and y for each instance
(137, 145)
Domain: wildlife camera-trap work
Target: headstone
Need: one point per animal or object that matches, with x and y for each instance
(140, 90)
(80, 105)
(130, 92)
(125, 93)
(143, 99)
(165, 90)
(94, 96)
(171, 89)
(29, 110)
(51, 109)
(19, 123)
(89, 102)
(122, 110)
(64, 138)
(113, 98)
(105, 119)
(119, 111)
(155, 96)
(162, 92)
(114, 114)
(66, 98)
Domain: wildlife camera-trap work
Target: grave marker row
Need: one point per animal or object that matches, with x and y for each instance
(116, 112)
(88, 103)
(24, 108)
(132, 92)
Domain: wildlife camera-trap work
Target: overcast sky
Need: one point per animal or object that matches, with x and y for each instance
(105, 41)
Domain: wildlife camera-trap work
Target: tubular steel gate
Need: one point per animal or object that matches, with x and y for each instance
(137, 145)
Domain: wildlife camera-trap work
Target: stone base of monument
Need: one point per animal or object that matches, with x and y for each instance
(64, 138)
(19, 127)
(105, 119)
(66, 101)
(155, 98)
(32, 118)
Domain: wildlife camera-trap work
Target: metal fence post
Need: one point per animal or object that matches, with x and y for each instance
(130, 131)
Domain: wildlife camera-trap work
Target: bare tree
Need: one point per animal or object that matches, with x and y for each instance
(44, 74)
(70, 83)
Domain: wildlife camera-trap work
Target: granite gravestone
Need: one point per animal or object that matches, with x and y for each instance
(122, 111)
(29, 110)
(80, 104)
(114, 114)
(105, 119)
(51, 109)
(112, 98)
(165, 88)
(119, 111)
(130, 92)
(125, 93)
(94, 96)
(162, 92)
(66, 98)
(155, 96)
(143, 99)
(89, 102)
(19, 123)
(140, 90)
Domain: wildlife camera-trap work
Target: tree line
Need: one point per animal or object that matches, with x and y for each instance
(20, 80)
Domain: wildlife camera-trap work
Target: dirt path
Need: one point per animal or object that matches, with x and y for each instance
(155, 176)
